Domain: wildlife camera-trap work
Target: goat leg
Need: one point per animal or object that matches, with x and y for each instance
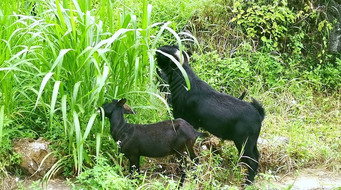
(182, 165)
(134, 162)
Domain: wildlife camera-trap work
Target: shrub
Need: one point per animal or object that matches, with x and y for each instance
(287, 43)
(246, 70)
(104, 176)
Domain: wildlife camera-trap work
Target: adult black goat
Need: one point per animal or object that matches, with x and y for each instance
(222, 115)
(152, 140)
(164, 89)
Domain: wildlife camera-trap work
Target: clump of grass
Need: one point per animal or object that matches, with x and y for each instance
(309, 120)
(104, 176)
(60, 65)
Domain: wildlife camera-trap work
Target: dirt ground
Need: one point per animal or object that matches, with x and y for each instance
(305, 179)
(55, 184)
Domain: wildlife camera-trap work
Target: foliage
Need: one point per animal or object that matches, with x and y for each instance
(268, 22)
(58, 66)
(255, 71)
(104, 176)
(291, 42)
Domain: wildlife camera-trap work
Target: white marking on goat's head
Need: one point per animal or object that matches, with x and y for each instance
(177, 54)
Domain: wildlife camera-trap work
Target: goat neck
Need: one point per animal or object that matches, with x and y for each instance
(177, 82)
(118, 125)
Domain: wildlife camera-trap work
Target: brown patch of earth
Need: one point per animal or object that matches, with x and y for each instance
(305, 179)
(13, 183)
(53, 184)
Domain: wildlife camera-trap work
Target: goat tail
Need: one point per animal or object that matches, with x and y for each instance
(259, 108)
(202, 135)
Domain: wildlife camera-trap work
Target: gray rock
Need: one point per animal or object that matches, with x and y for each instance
(275, 141)
(37, 158)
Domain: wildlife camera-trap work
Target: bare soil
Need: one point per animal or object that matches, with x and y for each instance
(305, 179)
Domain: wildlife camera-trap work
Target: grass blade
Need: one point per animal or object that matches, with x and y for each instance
(98, 143)
(64, 113)
(53, 101)
(79, 147)
(75, 92)
(2, 118)
(88, 127)
(42, 86)
(178, 64)
(59, 59)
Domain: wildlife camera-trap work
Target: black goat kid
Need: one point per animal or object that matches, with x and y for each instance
(222, 115)
(152, 140)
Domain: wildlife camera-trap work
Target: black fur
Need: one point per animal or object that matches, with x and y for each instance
(151, 140)
(222, 115)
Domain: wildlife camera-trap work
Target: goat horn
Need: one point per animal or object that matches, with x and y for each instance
(128, 109)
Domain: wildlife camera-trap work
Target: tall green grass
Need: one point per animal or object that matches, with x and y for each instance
(58, 67)
(1, 121)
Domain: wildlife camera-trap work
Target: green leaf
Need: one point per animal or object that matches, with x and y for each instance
(2, 118)
(60, 58)
(42, 86)
(54, 100)
(178, 64)
(64, 113)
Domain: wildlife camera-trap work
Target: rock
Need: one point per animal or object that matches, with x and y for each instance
(310, 179)
(213, 143)
(36, 157)
(275, 141)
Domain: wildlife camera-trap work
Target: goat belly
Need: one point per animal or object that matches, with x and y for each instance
(155, 151)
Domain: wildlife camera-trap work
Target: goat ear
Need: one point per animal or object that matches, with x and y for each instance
(121, 102)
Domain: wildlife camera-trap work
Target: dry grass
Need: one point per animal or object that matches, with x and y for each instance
(8, 183)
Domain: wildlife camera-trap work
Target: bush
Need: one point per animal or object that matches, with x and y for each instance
(104, 176)
(286, 43)
(266, 23)
(245, 70)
